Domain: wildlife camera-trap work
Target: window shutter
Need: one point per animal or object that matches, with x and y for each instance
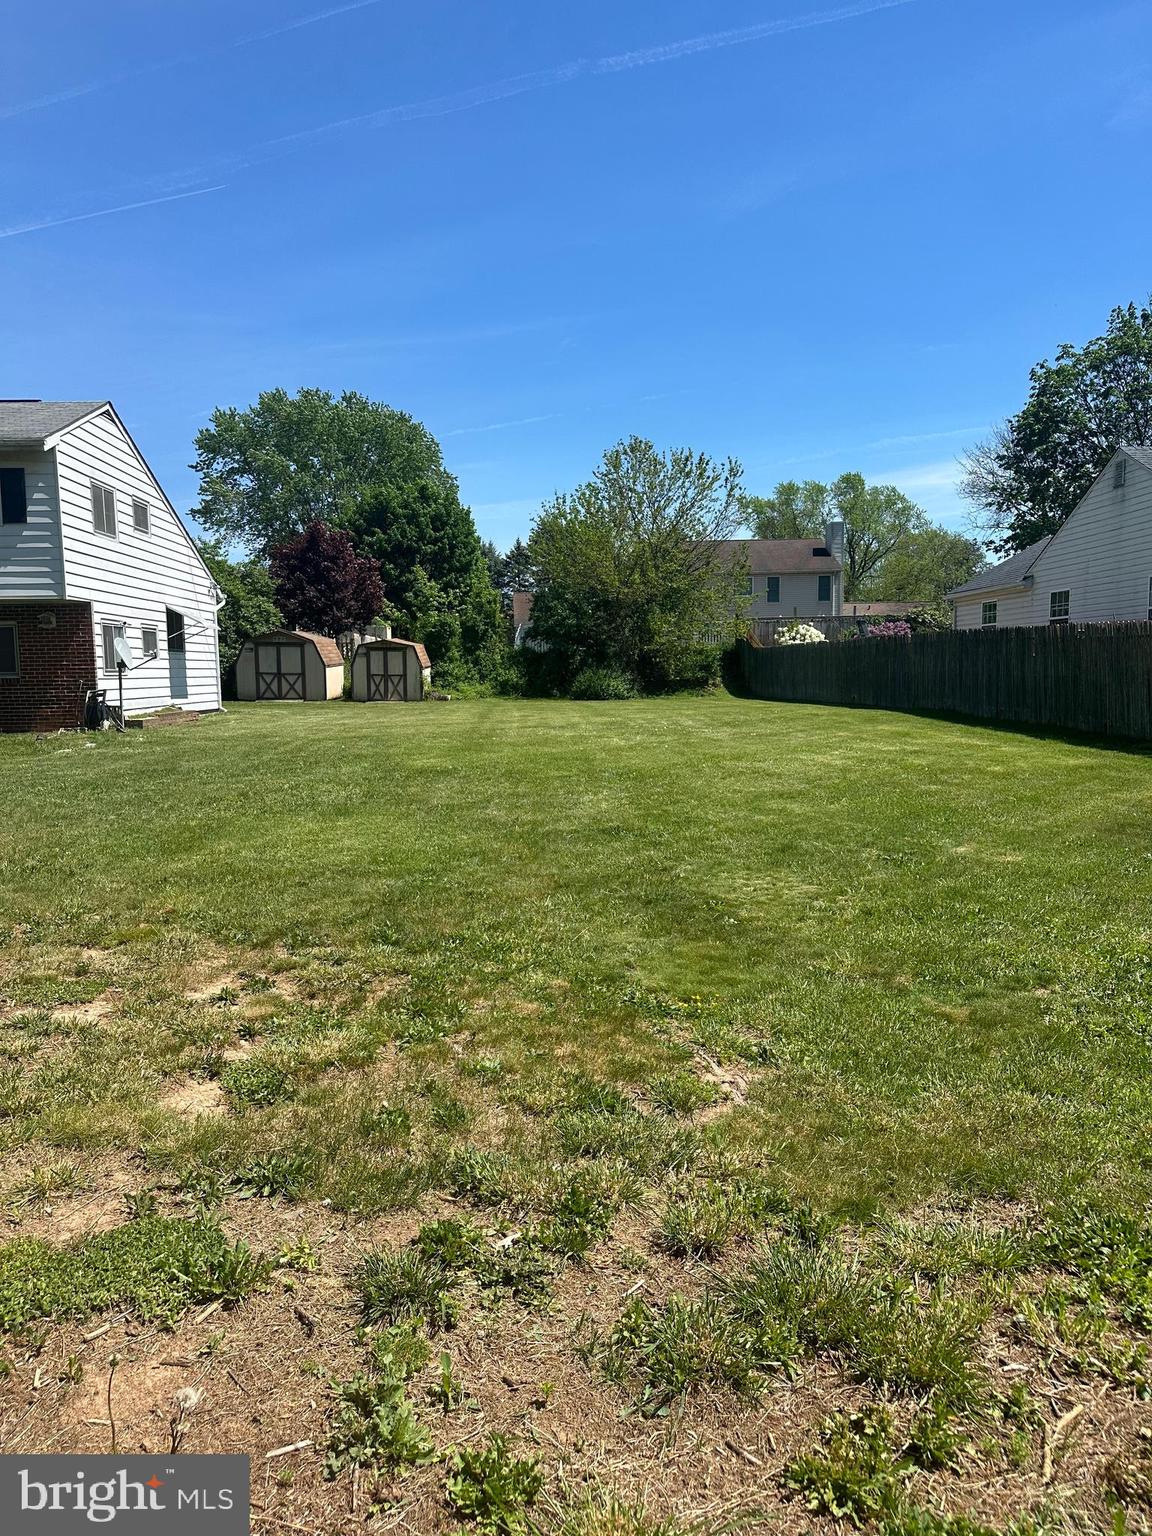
(13, 496)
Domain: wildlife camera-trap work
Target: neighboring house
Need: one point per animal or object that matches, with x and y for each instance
(793, 578)
(1096, 567)
(855, 610)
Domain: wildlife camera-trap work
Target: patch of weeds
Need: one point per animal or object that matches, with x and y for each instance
(1111, 1249)
(447, 1391)
(300, 1256)
(43, 1183)
(402, 1350)
(681, 1093)
(453, 1245)
(856, 1474)
(648, 1144)
(387, 1124)
(698, 1221)
(369, 1183)
(492, 1487)
(485, 1069)
(935, 1439)
(445, 1111)
(396, 1287)
(604, 1513)
(952, 1248)
(141, 1204)
(677, 1347)
(256, 1082)
(374, 1423)
(155, 1266)
(580, 1217)
(518, 1266)
(277, 1173)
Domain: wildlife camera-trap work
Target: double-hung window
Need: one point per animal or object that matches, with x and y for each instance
(103, 510)
(9, 651)
(149, 639)
(1059, 604)
(824, 589)
(13, 496)
(109, 634)
(771, 589)
(987, 614)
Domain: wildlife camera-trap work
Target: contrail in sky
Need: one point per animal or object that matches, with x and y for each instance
(100, 213)
(88, 87)
(459, 101)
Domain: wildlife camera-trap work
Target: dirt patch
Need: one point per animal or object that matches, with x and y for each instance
(193, 1097)
(88, 1013)
(209, 991)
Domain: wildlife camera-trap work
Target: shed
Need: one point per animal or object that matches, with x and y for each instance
(390, 672)
(290, 664)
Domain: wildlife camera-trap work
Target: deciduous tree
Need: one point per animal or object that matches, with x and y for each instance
(323, 585)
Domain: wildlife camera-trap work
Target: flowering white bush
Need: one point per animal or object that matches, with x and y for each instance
(800, 634)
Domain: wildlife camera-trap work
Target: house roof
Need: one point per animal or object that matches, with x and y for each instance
(1009, 573)
(780, 557)
(854, 610)
(413, 645)
(33, 421)
(1141, 455)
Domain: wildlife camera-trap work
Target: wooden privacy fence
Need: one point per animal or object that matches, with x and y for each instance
(1089, 677)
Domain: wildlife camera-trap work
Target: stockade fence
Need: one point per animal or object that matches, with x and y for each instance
(1083, 677)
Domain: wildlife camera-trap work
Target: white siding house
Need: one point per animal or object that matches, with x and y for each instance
(1096, 567)
(88, 538)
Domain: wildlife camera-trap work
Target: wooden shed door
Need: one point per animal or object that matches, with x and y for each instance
(387, 677)
(279, 671)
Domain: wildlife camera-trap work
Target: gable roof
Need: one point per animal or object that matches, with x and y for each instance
(1141, 455)
(330, 653)
(34, 421)
(780, 557)
(1009, 573)
(412, 645)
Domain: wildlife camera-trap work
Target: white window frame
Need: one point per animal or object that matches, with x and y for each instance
(140, 505)
(145, 631)
(15, 650)
(107, 510)
(1053, 616)
(985, 621)
(118, 628)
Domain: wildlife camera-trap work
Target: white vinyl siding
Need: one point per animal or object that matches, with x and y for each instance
(1103, 553)
(134, 580)
(794, 596)
(1012, 608)
(31, 556)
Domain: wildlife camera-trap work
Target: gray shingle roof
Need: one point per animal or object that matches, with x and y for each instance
(779, 557)
(31, 421)
(1007, 574)
(1141, 455)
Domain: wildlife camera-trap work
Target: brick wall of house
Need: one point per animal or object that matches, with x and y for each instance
(57, 665)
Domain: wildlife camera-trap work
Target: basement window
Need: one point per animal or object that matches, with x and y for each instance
(13, 496)
(9, 651)
(987, 614)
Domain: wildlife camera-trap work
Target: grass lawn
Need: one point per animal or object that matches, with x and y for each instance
(637, 1084)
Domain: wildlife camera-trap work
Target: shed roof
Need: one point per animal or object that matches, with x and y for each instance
(330, 653)
(781, 557)
(412, 645)
(33, 421)
(1009, 573)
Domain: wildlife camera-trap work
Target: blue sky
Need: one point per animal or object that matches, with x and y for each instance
(816, 237)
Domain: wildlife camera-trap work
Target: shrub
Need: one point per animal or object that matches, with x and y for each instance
(492, 1487)
(800, 634)
(889, 629)
(602, 683)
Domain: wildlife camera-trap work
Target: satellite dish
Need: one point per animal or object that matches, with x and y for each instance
(123, 651)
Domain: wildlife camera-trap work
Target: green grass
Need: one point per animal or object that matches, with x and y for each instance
(930, 939)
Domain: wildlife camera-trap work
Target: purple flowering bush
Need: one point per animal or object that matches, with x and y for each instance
(890, 629)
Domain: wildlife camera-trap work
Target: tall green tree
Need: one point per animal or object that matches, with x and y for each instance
(878, 520)
(250, 606)
(269, 471)
(628, 570)
(924, 566)
(512, 572)
(795, 510)
(1027, 478)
